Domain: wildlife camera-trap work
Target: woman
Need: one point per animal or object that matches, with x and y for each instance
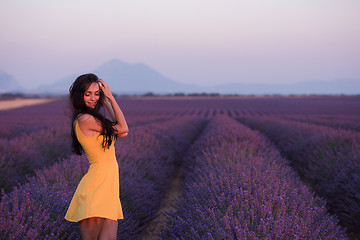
(96, 204)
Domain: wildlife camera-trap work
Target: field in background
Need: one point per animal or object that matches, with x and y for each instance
(22, 102)
(250, 168)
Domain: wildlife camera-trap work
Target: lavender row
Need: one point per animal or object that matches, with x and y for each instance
(21, 155)
(327, 159)
(237, 186)
(248, 106)
(336, 121)
(147, 178)
(147, 159)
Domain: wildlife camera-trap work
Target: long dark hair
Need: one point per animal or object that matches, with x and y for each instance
(77, 91)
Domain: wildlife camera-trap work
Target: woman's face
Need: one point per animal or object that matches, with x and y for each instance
(92, 95)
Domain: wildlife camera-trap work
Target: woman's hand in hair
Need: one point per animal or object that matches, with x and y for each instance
(105, 89)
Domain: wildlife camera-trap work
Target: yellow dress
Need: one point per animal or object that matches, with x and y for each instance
(97, 194)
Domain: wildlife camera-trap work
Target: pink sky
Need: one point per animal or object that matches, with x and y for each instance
(198, 41)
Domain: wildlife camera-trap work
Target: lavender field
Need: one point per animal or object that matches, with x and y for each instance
(248, 167)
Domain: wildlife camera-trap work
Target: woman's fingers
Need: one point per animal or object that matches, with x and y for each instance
(101, 83)
(105, 88)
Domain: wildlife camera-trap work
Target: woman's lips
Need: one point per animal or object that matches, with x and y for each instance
(92, 105)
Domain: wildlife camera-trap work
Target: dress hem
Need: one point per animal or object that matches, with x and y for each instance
(71, 220)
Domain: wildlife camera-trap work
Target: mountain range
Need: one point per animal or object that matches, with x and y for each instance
(138, 78)
(8, 83)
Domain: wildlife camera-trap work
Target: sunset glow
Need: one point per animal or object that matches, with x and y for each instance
(203, 42)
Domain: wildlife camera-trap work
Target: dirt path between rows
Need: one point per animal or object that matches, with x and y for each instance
(154, 228)
(22, 102)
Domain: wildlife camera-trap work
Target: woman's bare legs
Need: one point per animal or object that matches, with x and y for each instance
(90, 228)
(108, 230)
(98, 228)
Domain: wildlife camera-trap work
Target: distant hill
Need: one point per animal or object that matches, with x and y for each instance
(127, 78)
(138, 78)
(8, 83)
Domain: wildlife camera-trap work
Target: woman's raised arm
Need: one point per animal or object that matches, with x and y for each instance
(114, 110)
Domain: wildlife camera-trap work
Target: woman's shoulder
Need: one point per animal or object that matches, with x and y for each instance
(87, 122)
(86, 118)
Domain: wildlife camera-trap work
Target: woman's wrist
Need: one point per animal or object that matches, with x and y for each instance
(111, 98)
